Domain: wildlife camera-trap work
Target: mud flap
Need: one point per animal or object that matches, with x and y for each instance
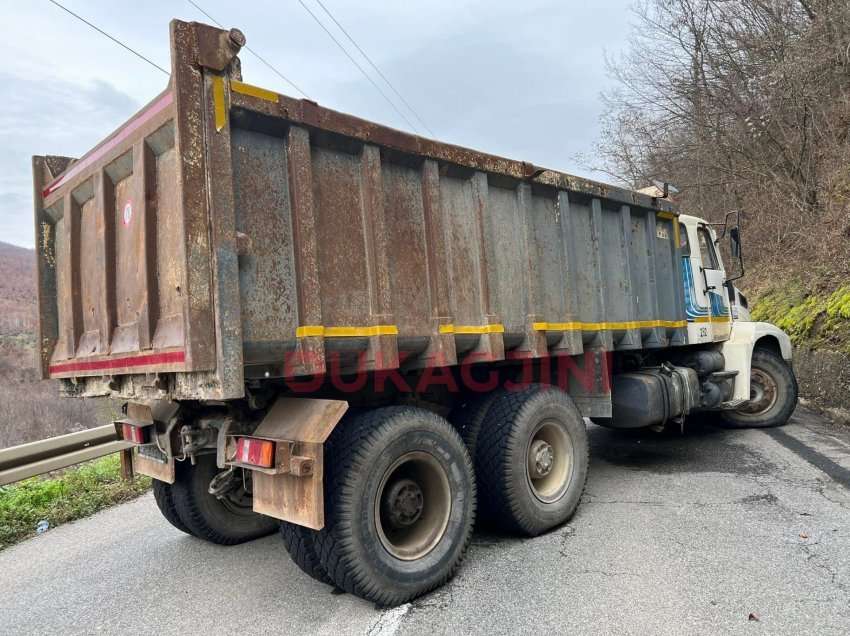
(153, 463)
(306, 423)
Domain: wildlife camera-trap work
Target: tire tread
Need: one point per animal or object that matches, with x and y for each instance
(498, 500)
(348, 451)
(191, 514)
(300, 543)
(164, 497)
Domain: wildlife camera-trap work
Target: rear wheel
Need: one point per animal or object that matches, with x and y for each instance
(300, 544)
(227, 520)
(399, 504)
(531, 459)
(773, 394)
(468, 417)
(165, 501)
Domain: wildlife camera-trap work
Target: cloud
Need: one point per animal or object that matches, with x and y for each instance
(515, 79)
(50, 116)
(493, 92)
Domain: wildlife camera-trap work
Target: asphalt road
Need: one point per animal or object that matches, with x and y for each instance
(682, 534)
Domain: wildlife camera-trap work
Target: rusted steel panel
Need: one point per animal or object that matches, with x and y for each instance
(95, 221)
(228, 231)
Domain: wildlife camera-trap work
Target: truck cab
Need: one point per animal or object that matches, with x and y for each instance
(717, 311)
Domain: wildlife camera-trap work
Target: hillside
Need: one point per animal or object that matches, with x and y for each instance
(17, 290)
(30, 409)
(744, 106)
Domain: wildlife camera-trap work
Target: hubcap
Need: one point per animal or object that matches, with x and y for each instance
(550, 461)
(763, 393)
(412, 506)
(541, 458)
(402, 503)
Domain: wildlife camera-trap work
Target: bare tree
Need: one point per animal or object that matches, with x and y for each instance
(742, 104)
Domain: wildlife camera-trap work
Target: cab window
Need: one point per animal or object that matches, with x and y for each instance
(706, 249)
(684, 244)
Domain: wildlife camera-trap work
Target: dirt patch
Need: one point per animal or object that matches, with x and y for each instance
(824, 378)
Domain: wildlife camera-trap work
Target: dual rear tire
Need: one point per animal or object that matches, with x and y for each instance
(531, 457)
(188, 506)
(400, 489)
(399, 507)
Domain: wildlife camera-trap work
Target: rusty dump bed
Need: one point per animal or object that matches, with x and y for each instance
(227, 232)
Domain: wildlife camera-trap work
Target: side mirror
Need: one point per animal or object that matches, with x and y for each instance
(735, 242)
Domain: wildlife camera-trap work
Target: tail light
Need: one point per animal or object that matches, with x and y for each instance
(136, 434)
(255, 452)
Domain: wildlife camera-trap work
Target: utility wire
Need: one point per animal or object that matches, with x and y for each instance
(252, 52)
(375, 66)
(360, 68)
(116, 40)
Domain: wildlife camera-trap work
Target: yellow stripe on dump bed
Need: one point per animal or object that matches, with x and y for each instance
(607, 326)
(472, 329)
(346, 332)
(218, 102)
(253, 91)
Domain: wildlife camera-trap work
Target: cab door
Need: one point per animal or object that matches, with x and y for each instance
(710, 284)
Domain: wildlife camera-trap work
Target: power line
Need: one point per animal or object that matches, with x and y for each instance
(360, 68)
(375, 66)
(252, 52)
(116, 40)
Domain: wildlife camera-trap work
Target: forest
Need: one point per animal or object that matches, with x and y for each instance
(744, 105)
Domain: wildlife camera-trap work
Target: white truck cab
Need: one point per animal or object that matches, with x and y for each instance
(717, 312)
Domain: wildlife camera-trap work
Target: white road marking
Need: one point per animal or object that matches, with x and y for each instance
(389, 622)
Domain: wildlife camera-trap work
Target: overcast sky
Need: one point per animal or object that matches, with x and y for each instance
(520, 79)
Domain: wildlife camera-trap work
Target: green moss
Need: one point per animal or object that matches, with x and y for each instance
(813, 320)
(73, 494)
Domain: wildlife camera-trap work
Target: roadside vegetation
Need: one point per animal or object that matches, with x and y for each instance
(62, 497)
(813, 319)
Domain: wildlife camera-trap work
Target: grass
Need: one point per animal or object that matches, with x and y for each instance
(72, 494)
(813, 319)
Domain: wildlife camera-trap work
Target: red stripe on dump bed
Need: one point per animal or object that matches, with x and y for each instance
(98, 152)
(170, 357)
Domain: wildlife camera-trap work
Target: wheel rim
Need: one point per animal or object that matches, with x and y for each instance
(763, 393)
(549, 464)
(413, 505)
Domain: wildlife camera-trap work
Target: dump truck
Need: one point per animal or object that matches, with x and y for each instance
(365, 339)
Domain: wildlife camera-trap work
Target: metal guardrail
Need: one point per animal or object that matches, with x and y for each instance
(36, 458)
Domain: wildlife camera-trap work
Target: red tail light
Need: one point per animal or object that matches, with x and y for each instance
(255, 452)
(136, 434)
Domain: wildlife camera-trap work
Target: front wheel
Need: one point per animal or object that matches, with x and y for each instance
(773, 394)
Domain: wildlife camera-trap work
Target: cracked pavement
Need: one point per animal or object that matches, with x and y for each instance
(676, 534)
